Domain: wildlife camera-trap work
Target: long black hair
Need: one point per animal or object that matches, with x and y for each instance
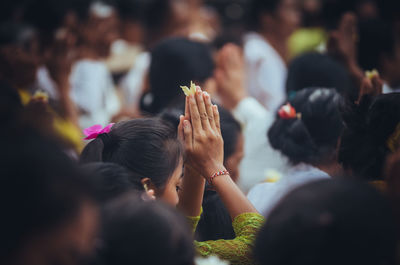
(110, 180)
(147, 147)
(368, 126)
(313, 137)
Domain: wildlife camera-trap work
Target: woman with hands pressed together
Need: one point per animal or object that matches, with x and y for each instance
(200, 132)
(150, 149)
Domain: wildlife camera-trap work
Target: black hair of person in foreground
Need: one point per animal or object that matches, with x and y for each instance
(174, 63)
(329, 222)
(144, 233)
(111, 180)
(215, 222)
(44, 198)
(368, 126)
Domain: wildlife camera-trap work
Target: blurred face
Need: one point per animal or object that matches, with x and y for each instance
(98, 33)
(232, 163)
(285, 20)
(170, 193)
(288, 16)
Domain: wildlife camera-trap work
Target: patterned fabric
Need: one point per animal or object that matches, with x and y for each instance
(238, 250)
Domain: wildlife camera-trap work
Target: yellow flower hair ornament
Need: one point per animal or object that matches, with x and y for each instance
(191, 90)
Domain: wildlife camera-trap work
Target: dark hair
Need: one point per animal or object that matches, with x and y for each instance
(150, 233)
(147, 147)
(313, 137)
(329, 222)
(47, 16)
(215, 222)
(10, 104)
(230, 130)
(41, 189)
(333, 10)
(12, 33)
(111, 180)
(317, 70)
(363, 146)
(259, 7)
(376, 39)
(175, 62)
(10, 9)
(130, 10)
(155, 14)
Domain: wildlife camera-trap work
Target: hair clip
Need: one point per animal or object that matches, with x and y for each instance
(287, 112)
(95, 130)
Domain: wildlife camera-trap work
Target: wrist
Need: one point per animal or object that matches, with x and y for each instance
(217, 174)
(219, 180)
(211, 170)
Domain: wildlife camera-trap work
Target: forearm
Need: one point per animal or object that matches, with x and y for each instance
(233, 198)
(191, 196)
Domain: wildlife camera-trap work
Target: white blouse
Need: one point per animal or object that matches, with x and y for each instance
(265, 196)
(266, 71)
(259, 156)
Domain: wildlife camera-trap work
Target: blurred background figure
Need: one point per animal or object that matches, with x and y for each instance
(266, 49)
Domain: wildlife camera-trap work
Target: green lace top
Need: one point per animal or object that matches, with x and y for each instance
(237, 250)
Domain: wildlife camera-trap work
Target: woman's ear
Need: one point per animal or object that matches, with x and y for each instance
(148, 185)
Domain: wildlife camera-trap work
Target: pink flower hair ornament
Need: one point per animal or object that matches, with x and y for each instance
(95, 130)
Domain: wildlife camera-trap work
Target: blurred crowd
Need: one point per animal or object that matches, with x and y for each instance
(283, 148)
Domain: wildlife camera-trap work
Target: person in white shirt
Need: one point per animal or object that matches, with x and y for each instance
(89, 82)
(259, 157)
(266, 51)
(307, 132)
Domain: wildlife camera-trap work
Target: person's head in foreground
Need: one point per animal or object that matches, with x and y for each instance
(49, 215)
(372, 132)
(144, 233)
(308, 130)
(110, 180)
(149, 148)
(329, 222)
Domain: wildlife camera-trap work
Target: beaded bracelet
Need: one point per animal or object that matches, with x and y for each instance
(219, 173)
